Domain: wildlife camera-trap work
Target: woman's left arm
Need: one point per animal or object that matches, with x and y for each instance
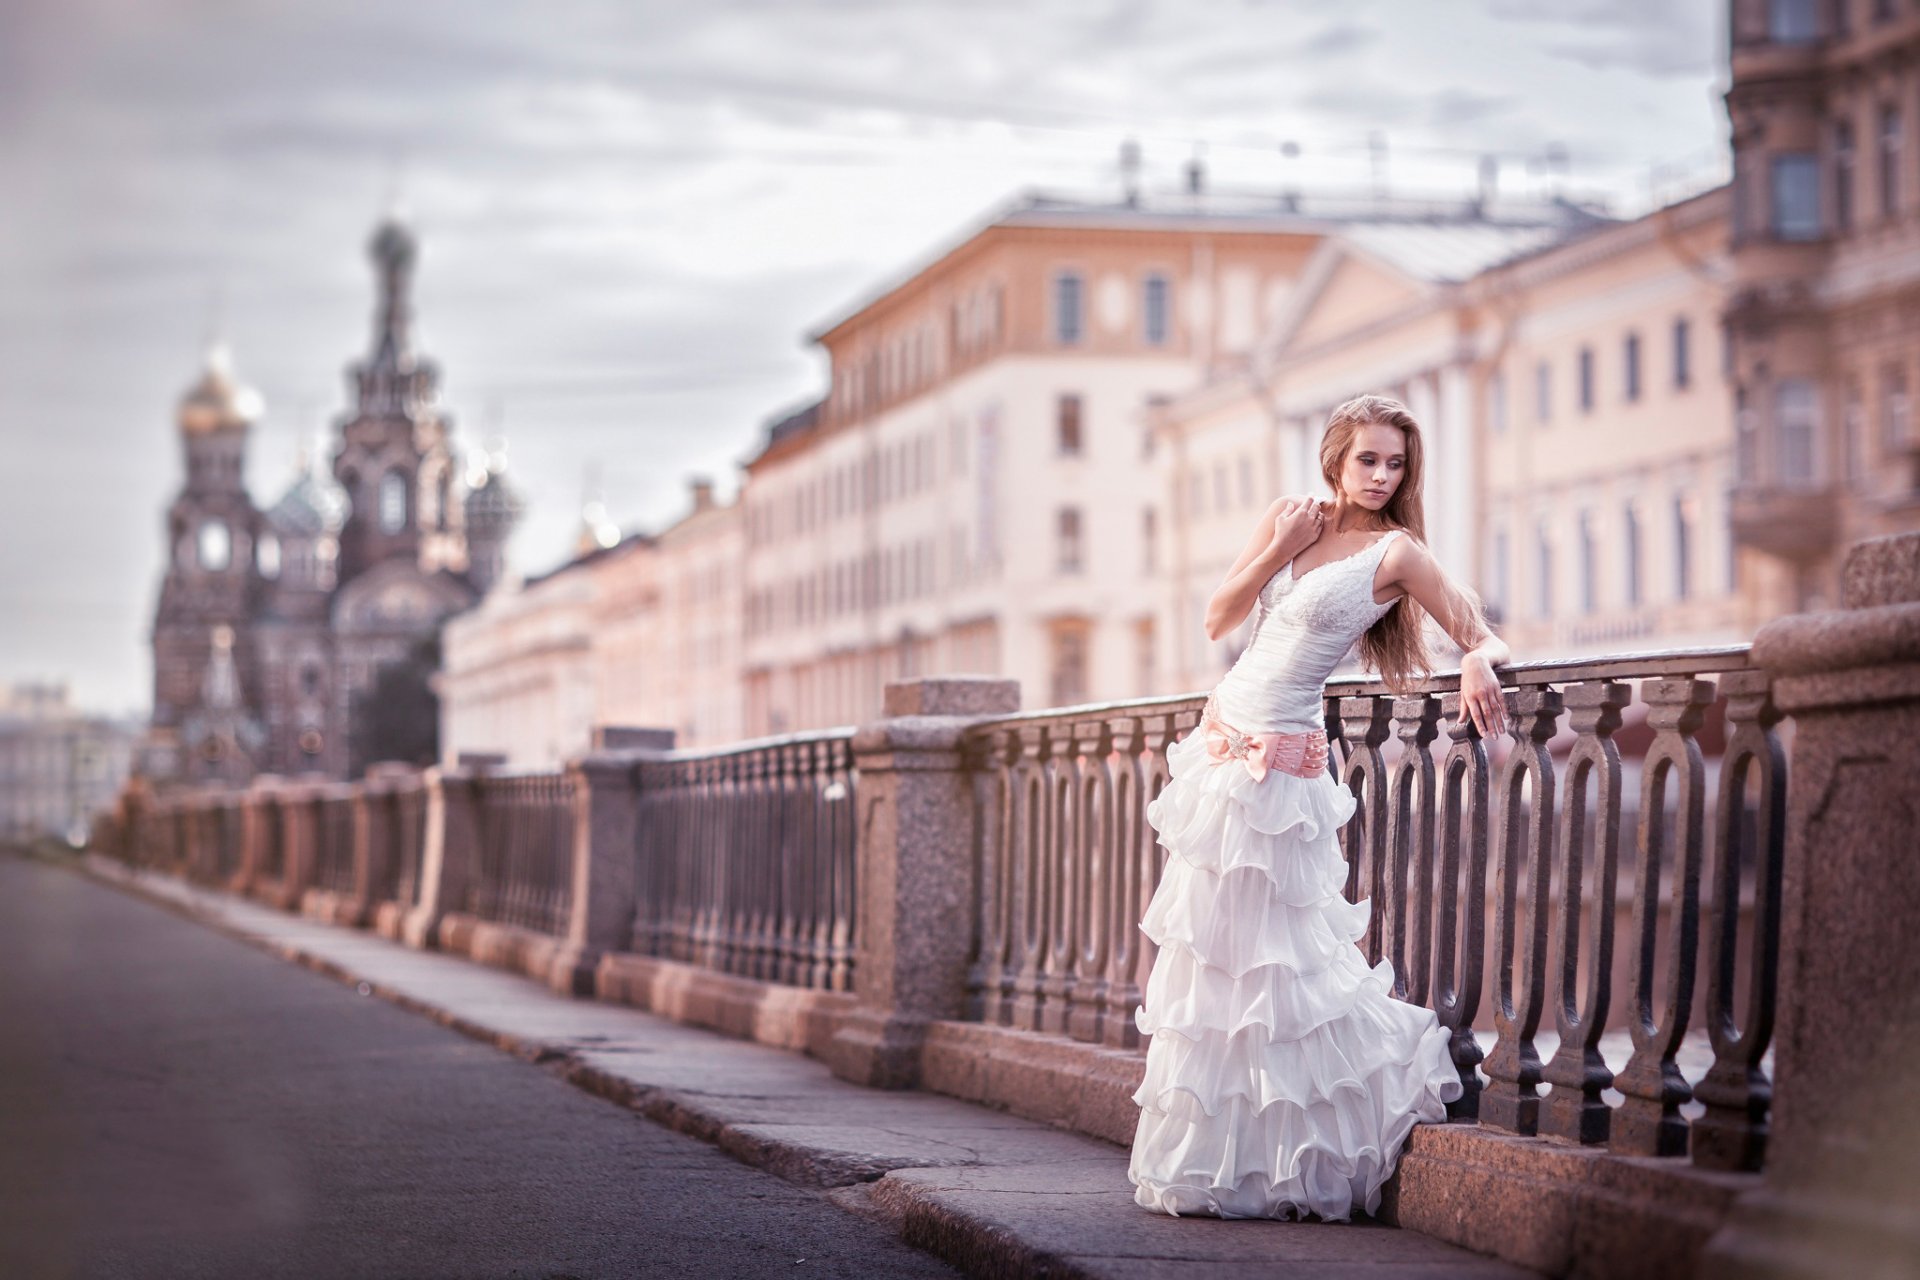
(1412, 567)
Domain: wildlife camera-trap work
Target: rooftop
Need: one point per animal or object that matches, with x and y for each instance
(1280, 212)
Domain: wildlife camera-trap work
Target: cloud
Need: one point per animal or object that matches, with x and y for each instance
(630, 210)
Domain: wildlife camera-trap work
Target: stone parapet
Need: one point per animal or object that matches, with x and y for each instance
(1843, 1159)
(450, 860)
(916, 874)
(606, 813)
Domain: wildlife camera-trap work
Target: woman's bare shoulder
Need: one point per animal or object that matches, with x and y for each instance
(1405, 554)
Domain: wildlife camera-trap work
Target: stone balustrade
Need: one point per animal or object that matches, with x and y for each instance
(1599, 905)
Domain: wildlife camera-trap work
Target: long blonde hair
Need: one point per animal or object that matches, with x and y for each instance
(1396, 646)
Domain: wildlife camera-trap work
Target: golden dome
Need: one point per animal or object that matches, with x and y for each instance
(217, 402)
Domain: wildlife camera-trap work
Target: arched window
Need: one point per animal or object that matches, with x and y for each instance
(393, 502)
(215, 546)
(267, 556)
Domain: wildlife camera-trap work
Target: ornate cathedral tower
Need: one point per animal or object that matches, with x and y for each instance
(393, 460)
(204, 680)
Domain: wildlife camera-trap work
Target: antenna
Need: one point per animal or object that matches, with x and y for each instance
(1130, 170)
(1289, 189)
(1197, 169)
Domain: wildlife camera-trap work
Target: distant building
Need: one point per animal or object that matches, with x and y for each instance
(1823, 320)
(1571, 391)
(645, 633)
(980, 491)
(283, 637)
(58, 766)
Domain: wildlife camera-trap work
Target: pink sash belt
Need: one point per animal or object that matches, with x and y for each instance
(1300, 754)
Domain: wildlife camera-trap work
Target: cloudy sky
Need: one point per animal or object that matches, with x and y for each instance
(631, 211)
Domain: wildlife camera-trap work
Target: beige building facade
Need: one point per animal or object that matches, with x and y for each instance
(1569, 380)
(1605, 422)
(645, 633)
(979, 491)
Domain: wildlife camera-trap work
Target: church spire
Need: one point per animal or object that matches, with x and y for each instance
(393, 251)
(392, 382)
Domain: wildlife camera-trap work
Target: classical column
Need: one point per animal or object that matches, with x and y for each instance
(915, 871)
(1842, 1171)
(606, 812)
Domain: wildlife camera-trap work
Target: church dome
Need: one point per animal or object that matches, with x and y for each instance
(311, 507)
(217, 402)
(492, 505)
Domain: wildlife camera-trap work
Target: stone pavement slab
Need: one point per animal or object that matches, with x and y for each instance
(993, 1193)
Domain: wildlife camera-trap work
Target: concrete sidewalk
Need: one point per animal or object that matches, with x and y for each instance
(992, 1193)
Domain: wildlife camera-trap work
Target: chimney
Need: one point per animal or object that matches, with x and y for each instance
(1196, 176)
(702, 490)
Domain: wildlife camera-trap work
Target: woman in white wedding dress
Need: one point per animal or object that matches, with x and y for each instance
(1282, 1075)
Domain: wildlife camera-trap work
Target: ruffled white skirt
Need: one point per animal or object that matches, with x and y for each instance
(1282, 1076)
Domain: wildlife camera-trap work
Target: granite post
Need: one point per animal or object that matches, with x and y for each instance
(916, 874)
(1842, 1172)
(606, 814)
(451, 854)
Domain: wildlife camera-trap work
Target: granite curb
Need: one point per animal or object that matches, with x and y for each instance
(992, 1193)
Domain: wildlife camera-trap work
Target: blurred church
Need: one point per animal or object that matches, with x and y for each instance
(299, 639)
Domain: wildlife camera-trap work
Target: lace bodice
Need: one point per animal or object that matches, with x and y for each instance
(1302, 628)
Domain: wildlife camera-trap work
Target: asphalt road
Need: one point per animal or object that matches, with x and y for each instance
(176, 1103)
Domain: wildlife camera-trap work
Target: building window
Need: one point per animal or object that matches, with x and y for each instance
(1146, 659)
(1630, 357)
(1066, 419)
(1149, 542)
(1589, 569)
(1069, 664)
(393, 502)
(1793, 21)
(215, 546)
(1154, 310)
(1497, 403)
(1066, 308)
(1586, 379)
(1246, 481)
(1895, 410)
(1543, 572)
(1543, 393)
(1682, 354)
(1630, 528)
(1889, 161)
(1682, 548)
(1854, 428)
(1067, 554)
(1746, 446)
(1196, 494)
(1843, 167)
(1796, 425)
(266, 556)
(1220, 497)
(1796, 196)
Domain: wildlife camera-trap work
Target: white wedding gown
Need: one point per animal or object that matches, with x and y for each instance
(1282, 1076)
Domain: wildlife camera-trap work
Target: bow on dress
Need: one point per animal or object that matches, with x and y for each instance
(1300, 754)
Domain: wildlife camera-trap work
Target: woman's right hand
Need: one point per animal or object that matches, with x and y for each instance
(1296, 526)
